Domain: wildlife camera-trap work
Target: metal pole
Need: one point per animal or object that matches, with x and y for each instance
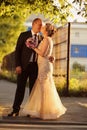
(68, 61)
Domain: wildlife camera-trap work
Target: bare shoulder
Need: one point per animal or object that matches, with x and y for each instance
(46, 39)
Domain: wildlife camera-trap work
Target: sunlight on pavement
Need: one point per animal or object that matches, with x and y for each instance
(83, 104)
(3, 110)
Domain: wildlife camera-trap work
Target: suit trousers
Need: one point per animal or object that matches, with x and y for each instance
(31, 73)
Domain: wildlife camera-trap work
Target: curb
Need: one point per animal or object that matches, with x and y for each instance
(28, 120)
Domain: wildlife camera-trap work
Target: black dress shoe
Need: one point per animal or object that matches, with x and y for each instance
(13, 114)
(28, 115)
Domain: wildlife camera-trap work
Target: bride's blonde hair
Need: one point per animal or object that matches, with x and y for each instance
(50, 29)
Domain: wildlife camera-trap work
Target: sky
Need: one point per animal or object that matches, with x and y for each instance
(74, 11)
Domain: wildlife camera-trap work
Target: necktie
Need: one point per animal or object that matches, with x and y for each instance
(36, 44)
(36, 40)
(35, 37)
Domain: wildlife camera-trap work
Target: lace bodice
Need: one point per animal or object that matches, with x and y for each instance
(50, 47)
(45, 67)
(48, 51)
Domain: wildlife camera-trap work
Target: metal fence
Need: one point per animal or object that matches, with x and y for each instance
(61, 52)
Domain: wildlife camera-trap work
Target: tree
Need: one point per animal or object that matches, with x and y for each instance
(13, 13)
(53, 9)
(25, 7)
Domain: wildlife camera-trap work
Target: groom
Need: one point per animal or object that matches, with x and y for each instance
(26, 65)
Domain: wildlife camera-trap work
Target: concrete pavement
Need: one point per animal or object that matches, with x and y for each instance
(42, 127)
(76, 108)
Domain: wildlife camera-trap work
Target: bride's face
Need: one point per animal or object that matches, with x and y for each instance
(43, 30)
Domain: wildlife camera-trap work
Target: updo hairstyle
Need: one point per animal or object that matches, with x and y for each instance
(50, 29)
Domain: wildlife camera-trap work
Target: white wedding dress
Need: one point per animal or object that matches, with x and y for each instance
(44, 101)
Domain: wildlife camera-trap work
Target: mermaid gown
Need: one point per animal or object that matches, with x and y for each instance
(44, 101)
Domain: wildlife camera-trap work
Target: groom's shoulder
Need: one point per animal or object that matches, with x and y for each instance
(25, 32)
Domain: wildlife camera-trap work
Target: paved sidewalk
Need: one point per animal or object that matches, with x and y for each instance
(76, 108)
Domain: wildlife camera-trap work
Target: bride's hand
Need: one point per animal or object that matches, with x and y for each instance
(29, 39)
(29, 42)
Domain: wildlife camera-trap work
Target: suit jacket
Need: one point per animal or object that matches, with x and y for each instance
(23, 53)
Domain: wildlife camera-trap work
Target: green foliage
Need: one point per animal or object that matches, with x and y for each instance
(8, 75)
(83, 87)
(77, 86)
(24, 8)
(78, 67)
(10, 27)
(60, 82)
(80, 75)
(74, 84)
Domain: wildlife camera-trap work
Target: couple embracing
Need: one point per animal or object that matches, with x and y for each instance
(35, 62)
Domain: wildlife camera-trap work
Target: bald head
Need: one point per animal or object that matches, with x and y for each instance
(36, 25)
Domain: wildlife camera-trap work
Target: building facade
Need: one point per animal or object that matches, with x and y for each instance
(78, 44)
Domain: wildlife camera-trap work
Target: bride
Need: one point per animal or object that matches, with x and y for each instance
(44, 101)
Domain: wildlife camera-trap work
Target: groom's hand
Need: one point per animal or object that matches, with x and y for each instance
(51, 59)
(18, 69)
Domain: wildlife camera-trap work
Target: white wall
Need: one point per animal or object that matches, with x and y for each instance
(78, 35)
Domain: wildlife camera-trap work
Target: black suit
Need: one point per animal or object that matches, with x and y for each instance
(29, 69)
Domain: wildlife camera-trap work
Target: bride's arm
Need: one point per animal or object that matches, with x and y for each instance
(43, 49)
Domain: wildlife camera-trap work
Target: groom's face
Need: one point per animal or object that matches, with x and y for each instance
(37, 26)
